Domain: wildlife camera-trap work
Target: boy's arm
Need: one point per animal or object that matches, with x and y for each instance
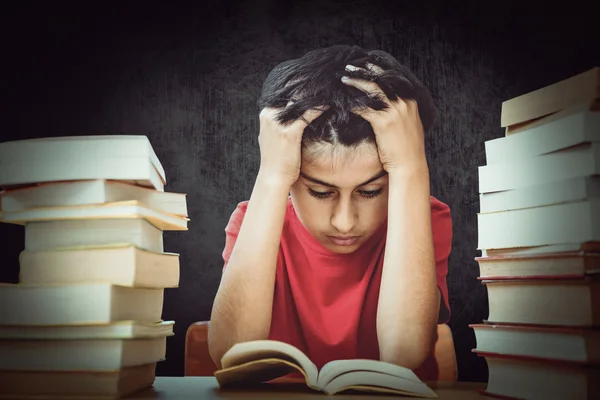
(243, 303)
(409, 298)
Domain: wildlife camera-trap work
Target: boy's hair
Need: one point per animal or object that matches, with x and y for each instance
(315, 80)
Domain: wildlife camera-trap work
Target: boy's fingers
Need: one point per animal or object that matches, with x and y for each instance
(366, 113)
(374, 68)
(368, 87)
(268, 112)
(309, 116)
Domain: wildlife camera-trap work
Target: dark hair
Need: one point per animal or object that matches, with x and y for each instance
(315, 80)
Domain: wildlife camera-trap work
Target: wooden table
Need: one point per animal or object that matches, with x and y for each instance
(206, 388)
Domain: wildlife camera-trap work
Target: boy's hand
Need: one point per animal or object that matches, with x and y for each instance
(398, 130)
(280, 146)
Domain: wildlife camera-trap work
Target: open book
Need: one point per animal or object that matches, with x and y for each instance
(264, 360)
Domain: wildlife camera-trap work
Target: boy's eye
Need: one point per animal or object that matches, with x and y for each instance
(319, 195)
(371, 193)
(363, 193)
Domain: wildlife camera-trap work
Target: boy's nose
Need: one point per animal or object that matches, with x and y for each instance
(343, 217)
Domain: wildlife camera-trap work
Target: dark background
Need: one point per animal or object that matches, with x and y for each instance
(188, 78)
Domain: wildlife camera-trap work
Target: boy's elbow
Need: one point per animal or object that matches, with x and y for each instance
(216, 356)
(411, 358)
(216, 347)
(230, 325)
(410, 353)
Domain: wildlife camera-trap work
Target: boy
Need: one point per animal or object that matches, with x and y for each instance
(340, 250)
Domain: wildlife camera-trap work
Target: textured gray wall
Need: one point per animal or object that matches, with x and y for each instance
(189, 81)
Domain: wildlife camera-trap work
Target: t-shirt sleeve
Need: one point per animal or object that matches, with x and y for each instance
(232, 229)
(442, 241)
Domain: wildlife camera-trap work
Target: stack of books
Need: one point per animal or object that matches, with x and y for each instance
(539, 236)
(85, 318)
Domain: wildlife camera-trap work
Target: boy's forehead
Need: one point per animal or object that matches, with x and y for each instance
(323, 151)
(341, 165)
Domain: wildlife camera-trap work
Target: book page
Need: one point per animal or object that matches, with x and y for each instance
(257, 371)
(338, 367)
(369, 381)
(245, 352)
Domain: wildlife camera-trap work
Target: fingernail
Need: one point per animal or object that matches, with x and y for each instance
(351, 68)
(345, 78)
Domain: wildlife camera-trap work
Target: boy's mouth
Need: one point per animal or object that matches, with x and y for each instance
(343, 240)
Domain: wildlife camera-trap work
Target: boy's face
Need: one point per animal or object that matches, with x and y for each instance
(344, 209)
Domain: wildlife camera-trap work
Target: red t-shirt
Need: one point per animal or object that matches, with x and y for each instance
(326, 303)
